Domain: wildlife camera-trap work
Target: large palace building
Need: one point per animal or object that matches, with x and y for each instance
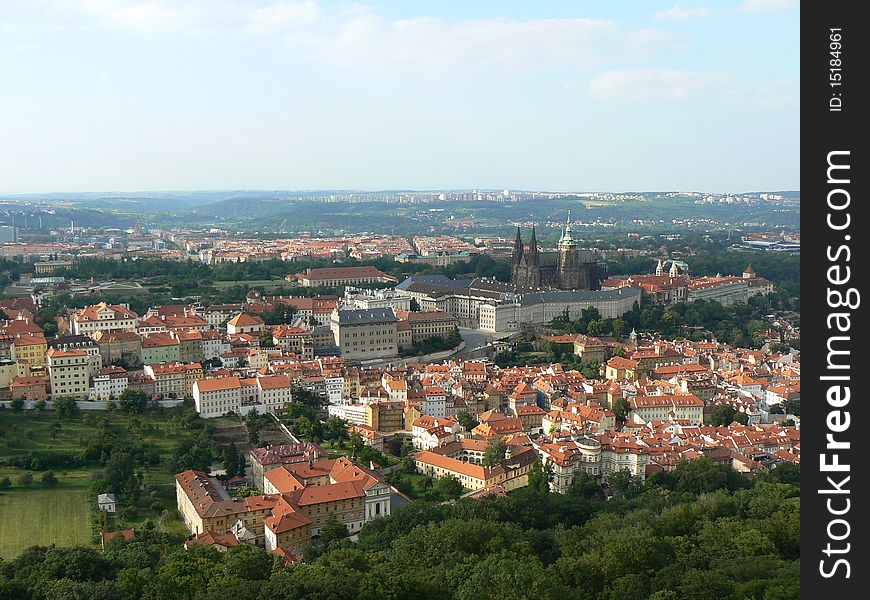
(568, 268)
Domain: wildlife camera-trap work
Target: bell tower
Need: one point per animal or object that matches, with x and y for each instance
(571, 271)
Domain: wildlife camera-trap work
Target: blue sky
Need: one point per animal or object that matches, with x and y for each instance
(122, 95)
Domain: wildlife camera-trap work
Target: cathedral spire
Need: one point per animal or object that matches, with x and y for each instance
(533, 247)
(567, 238)
(517, 253)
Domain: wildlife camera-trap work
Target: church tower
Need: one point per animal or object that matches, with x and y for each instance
(517, 253)
(660, 268)
(572, 275)
(533, 262)
(525, 264)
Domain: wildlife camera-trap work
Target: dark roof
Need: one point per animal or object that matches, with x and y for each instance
(434, 280)
(579, 295)
(366, 316)
(76, 341)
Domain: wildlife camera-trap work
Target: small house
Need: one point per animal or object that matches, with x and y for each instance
(106, 502)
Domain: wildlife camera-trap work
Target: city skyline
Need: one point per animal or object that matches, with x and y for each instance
(113, 96)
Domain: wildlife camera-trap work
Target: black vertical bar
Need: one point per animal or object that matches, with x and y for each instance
(834, 256)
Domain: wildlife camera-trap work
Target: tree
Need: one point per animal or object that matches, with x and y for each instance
(266, 339)
(39, 405)
(332, 530)
(624, 484)
(233, 461)
(195, 454)
(466, 420)
(133, 401)
(48, 478)
(584, 486)
(722, 415)
(17, 404)
(620, 329)
(5, 483)
(66, 407)
(785, 472)
(540, 477)
(130, 494)
(415, 306)
(25, 478)
(495, 452)
(447, 488)
(334, 428)
(703, 475)
(253, 424)
(621, 408)
(306, 428)
(245, 562)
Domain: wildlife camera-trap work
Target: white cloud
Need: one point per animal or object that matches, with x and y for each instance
(768, 5)
(679, 12)
(354, 35)
(195, 18)
(370, 40)
(652, 84)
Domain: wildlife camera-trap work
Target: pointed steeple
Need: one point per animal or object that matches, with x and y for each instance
(517, 253)
(660, 268)
(567, 238)
(533, 247)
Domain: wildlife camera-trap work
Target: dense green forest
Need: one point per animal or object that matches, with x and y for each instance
(702, 532)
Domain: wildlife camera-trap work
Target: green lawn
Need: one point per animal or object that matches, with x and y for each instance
(36, 514)
(43, 516)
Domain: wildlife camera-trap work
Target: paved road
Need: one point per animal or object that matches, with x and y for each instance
(474, 339)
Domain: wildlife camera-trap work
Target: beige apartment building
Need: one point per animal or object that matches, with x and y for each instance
(68, 372)
(365, 333)
(104, 317)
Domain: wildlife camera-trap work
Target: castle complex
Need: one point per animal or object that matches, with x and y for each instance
(568, 268)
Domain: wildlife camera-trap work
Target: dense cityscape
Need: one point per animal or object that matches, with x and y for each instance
(318, 300)
(346, 379)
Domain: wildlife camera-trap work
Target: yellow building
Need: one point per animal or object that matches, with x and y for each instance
(30, 349)
(619, 369)
(50, 266)
(68, 372)
(204, 506)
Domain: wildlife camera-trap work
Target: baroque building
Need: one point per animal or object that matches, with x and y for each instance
(567, 268)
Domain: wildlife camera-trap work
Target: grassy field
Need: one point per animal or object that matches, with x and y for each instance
(21, 432)
(37, 514)
(43, 516)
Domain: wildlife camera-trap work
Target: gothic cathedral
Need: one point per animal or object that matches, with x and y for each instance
(568, 268)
